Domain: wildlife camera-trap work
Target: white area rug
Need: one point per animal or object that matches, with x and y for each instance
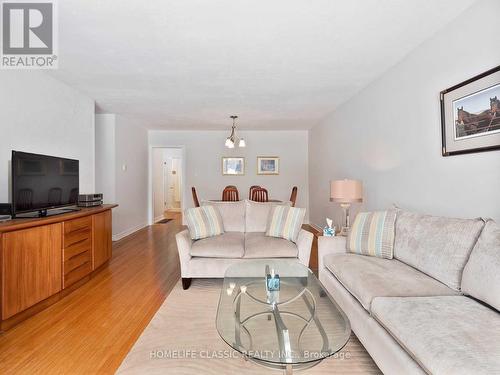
(182, 339)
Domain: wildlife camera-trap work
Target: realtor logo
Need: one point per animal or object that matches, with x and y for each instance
(28, 35)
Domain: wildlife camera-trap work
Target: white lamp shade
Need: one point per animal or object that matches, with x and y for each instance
(229, 143)
(346, 191)
(242, 143)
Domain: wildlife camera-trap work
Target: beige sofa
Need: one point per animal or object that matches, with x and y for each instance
(434, 307)
(244, 239)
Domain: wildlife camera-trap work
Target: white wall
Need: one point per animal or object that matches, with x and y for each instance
(131, 184)
(122, 171)
(105, 156)
(389, 135)
(42, 115)
(203, 158)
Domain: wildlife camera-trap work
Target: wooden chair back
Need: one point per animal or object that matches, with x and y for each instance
(195, 197)
(230, 194)
(251, 189)
(293, 196)
(259, 195)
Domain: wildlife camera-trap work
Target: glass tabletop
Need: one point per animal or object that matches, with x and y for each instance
(298, 324)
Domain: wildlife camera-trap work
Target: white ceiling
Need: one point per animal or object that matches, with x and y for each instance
(278, 64)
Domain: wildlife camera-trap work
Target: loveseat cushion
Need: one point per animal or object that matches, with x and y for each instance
(437, 246)
(227, 245)
(445, 335)
(232, 213)
(369, 277)
(257, 214)
(481, 276)
(258, 245)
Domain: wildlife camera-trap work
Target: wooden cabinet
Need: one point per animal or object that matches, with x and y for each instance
(40, 258)
(31, 267)
(101, 239)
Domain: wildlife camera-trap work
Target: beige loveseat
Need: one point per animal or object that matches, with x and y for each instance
(434, 307)
(244, 239)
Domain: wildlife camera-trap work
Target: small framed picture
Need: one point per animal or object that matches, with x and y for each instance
(268, 165)
(470, 115)
(233, 166)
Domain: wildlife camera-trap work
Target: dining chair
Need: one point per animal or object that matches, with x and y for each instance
(230, 194)
(259, 195)
(251, 189)
(195, 197)
(293, 196)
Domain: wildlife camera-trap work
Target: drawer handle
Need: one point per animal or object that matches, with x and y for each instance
(77, 242)
(82, 229)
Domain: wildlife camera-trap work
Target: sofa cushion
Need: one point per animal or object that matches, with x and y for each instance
(227, 245)
(372, 233)
(257, 214)
(445, 335)
(204, 222)
(258, 245)
(232, 213)
(481, 276)
(437, 246)
(285, 222)
(369, 277)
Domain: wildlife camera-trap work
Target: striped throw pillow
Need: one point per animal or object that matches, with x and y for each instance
(285, 222)
(204, 222)
(372, 233)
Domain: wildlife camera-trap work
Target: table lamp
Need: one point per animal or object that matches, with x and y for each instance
(346, 192)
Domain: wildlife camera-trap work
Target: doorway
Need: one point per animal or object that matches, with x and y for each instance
(167, 183)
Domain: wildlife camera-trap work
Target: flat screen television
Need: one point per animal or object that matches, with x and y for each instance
(41, 183)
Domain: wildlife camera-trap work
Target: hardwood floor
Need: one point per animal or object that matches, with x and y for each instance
(91, 330)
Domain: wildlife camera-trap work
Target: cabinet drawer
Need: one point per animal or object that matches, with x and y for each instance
(77, 247)
(77, 274)
(76, 237)
(76, 261)
(77, 224)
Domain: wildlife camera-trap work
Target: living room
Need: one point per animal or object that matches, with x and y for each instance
(335, 180)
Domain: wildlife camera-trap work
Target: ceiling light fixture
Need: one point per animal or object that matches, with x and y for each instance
(233, 138)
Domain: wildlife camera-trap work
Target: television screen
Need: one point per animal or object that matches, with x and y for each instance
(42, 182)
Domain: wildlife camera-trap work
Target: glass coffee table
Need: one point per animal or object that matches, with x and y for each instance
(291, 329)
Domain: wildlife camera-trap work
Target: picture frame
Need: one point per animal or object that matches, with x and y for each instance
(233, 166)
(470, 115)
(268, 165)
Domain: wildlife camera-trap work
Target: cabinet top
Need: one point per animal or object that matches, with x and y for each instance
(17, 224)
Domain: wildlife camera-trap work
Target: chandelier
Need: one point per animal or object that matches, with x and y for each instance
(233, 138)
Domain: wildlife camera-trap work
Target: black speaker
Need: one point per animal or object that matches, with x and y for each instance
(6, 209)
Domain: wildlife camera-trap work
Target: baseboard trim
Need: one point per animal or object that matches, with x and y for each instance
(128, 232)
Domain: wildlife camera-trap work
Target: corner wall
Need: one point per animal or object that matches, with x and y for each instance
(389, 135)
(122, 171)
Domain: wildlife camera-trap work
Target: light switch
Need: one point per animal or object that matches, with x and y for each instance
(124, 167)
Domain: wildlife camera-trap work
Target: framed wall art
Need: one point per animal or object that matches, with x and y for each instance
(268, 165)
(233, 166)
(470, 115)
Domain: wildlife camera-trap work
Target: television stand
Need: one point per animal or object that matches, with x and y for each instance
(44, 259)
